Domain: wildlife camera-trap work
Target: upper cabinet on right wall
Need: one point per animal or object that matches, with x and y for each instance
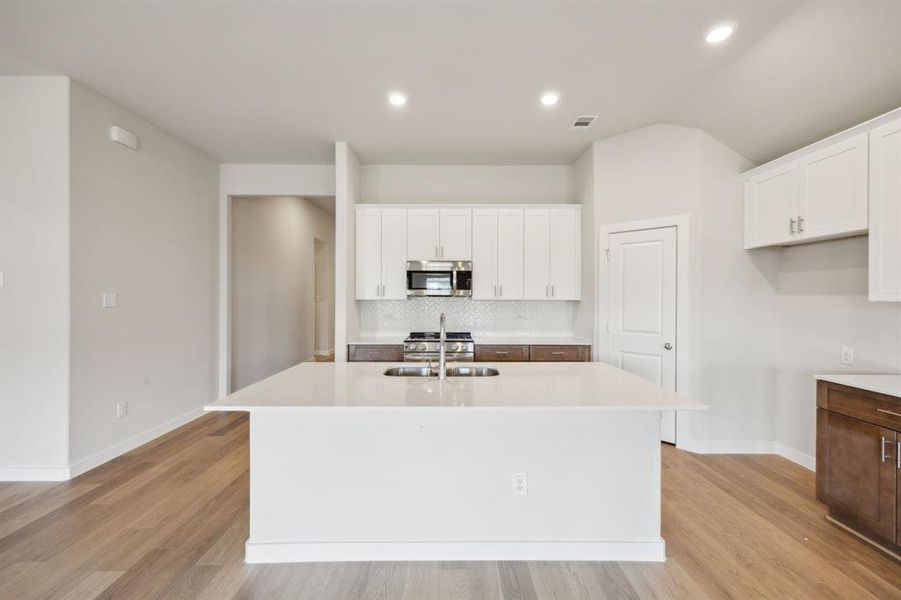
(885, 212)
(817, 196)
(848, 184)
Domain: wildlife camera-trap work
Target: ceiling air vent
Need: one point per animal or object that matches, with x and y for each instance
(583, 122)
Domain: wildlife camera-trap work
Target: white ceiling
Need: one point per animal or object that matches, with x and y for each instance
(280, 81)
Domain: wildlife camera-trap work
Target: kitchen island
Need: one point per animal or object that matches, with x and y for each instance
(557, 461)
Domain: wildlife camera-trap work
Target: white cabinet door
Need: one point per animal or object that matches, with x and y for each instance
(422, 233)
(368, 284)
(484, 254)
(455, 238)
(536, 254)
(885, 213)
(834, 190)
(394, 254)
(772, 206)
(564, 248)
(509, 253)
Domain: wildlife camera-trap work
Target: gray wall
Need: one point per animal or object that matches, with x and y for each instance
(272, 283)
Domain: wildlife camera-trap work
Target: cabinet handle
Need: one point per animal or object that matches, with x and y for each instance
(436, 252)
(500, 289)
(800, 224)
(547, 290)
(501, 352)
(558, 353)
(552, 289)
(442, 251)
(791, 226)
(383, 290)
(378, 290)
(888, 412)
(898, 454)
(884, 456)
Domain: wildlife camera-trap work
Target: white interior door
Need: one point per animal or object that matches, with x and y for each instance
(422, 234)
(509, 254)
(484, 254)
(642, 309)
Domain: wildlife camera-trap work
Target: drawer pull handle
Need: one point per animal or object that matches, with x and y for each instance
(501, 352)
(883, 449)
(558, 353)
(888, 412)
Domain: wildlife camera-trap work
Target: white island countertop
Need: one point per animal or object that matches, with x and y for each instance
(889, 384)
(592, 386)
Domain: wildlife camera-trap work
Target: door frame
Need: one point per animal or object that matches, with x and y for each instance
(683, 294)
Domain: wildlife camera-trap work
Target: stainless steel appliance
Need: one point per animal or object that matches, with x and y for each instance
(424, 346)
(439, 278)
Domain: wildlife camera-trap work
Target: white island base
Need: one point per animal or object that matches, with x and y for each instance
(426, 471)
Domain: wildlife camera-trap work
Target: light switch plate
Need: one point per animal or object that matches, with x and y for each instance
(109, 300)
(847, 355)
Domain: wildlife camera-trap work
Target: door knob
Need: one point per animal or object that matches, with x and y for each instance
(667, 346)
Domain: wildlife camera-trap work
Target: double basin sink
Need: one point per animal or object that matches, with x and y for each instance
(455, 371)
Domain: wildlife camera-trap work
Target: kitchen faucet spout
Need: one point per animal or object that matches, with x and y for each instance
(442, 356)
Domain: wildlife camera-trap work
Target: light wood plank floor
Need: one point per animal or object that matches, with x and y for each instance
(169, 521)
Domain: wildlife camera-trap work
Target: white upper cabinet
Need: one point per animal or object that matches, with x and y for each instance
(819, 195)
(885, 212)
(381, 251)
(771, 206)
(455, 239)
(439, 234)
(497, 254)
(510, 254)
(423, 233)
(834, 190)
(552, 254)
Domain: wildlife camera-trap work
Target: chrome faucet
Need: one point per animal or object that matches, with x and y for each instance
(442, 356)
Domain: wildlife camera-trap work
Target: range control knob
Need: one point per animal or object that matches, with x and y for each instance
(458, 346)
(423, 347)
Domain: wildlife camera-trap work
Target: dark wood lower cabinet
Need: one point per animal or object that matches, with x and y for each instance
(560, 353)
(375, 353)
(858, 467)
(501, 353)
(534, 353)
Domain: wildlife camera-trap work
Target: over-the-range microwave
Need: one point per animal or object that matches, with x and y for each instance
(439, 278)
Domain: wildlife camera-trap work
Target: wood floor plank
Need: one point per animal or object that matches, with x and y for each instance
(169, 520)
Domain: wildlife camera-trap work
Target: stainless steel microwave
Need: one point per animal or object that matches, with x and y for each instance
(439, 278)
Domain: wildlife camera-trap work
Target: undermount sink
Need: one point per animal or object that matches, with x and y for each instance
(451, 372)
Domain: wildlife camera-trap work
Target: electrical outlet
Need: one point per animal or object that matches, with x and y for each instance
(121, 410)
(519, 484)
(109, 300)
(847, 355)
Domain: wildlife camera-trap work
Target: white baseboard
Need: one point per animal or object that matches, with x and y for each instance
(796, 456)
(32, 473)
(286, 552)
(95, 460)
(726, 446)
(748, 447)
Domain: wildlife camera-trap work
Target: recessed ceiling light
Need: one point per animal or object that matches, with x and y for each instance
(720, 33)
(397, 99)
(550, 98)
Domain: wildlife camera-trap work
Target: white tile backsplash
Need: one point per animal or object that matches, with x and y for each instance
(485, 317)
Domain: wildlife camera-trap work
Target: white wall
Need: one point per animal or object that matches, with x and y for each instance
(273, 283)
(258, 180)
(347, 194)
(143, 225)
(666, 170)
(585, 317)
(821, 294)
(467, 184)
(34, 258)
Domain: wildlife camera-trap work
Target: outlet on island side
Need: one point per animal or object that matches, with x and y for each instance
(121, 410)
(519, 484)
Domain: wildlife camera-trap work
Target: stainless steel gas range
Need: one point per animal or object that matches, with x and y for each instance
(422, 346)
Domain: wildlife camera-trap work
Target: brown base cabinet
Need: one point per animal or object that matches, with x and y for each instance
(859, 460)
(532, 353)
(375, 353)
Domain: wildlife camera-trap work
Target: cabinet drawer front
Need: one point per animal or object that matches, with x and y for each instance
(501, 353)
(559, 353)
(871, 407)
(375, 353)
